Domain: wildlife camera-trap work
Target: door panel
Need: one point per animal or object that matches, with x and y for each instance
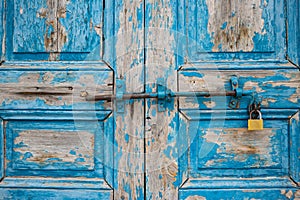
(56, 152)
(231, 150)
(26, 13)
(80, 28)
(50, 145)
(55, 141)
(54, 30)
(220, 30)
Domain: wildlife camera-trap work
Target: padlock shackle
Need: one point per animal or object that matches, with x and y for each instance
(260, 115)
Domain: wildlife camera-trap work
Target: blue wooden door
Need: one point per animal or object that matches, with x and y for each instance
(88, 107)
(54, 142)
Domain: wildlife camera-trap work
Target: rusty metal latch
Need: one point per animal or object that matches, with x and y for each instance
(163, 95)
(44, 90)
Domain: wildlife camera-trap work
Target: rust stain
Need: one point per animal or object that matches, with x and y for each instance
(233, 24)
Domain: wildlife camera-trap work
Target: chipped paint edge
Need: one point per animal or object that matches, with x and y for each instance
(1, 149)
(295, 147)
(293, 28)
(2, 32)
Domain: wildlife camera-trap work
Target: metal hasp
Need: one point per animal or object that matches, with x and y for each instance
(235, 100)
(164, 95)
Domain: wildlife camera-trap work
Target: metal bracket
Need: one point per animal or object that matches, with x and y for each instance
(235, 100)
(164, 95)
(161, 95)
(120, 90)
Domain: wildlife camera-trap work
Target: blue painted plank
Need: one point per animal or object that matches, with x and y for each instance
(128, 62)
(64, 89)
(108, 149)
(28, 183)
(293, 23)
(268, 114)
(59, 115)
(238, 183)
(37, 194)
(109, 33)
(2, 24)
(164, 46)
(2, 156)
(268, 83)
(295, 147)
(250, 193)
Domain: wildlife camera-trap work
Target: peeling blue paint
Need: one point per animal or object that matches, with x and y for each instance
(198, 156)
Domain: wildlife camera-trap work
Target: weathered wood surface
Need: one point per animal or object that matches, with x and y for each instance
(54, 148)
(38, 17)
(53, 30)
(295, 147)
(241, 194)
(268, 83)
(141, 152)
(80, 27)
(129, 125)
(2, 32)
(222, 30)
(293, 31)
(161, 134)
(234, 148)
(55, 194)
(38, 149)
(54, 89)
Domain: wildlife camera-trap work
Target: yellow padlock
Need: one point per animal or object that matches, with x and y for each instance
(255, 124)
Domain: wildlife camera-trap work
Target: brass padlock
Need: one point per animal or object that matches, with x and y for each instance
(255, 124)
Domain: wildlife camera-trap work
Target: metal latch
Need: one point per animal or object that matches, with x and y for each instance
(164, 95)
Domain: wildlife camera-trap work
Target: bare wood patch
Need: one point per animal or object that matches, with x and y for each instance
(46, 147)
(233, 24)
(240, 144)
